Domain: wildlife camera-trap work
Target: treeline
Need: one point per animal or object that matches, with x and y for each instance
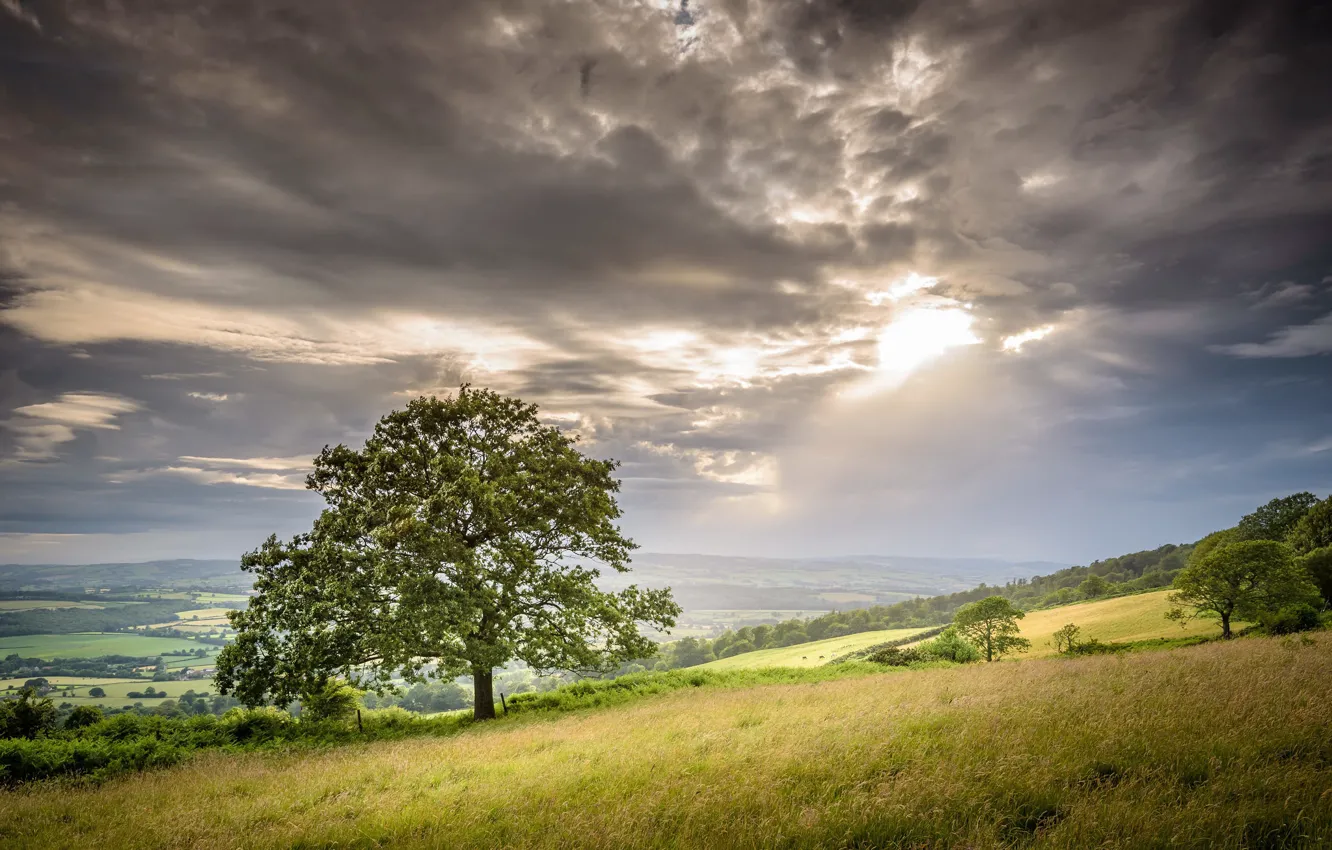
(1131, 573)
(14, 666)
(116, 616)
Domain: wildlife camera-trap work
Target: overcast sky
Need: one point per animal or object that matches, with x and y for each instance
(969, 277)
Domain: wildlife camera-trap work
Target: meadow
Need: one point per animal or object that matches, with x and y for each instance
(45, 604)
(1228, 744)
(92, 645)
(812, 654)
(1120, 619)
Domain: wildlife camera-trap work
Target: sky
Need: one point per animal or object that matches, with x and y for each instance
(961, 278)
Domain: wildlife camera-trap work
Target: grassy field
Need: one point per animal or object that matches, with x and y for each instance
(807, 654)
(90, 645)
(1121, 619)
(42, 604)
(1221, 745)
(233, 599)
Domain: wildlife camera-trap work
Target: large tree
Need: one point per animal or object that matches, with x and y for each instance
(992, 625)
(1318, 564)
(1276, 519)
(1240, 580)
(463, 535)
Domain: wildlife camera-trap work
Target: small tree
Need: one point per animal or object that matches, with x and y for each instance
(336, 700)
(96, 693)
(1314, 530)
(1276, 519)
(1066, 639)
(84, 715)
(28, 716)
(1240, 581)
(1094, 586)
(463, 535)
(991, 624)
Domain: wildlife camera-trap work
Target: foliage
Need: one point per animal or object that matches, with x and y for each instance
(28, 716)
(1291, 619)
(1066, 639)
(96, 692)
(336, 700)
(469, 515)
(83, 715)
(950, 645)
(1276, 519)
(1094, 586)
(1318, 564)
(1314, 530)
(1240, 580)
(991, 624)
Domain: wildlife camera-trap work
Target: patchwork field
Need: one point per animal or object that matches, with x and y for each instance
(7, 605)
(91, 645)
(807, 654)
(1121, 619)
(1221, 745)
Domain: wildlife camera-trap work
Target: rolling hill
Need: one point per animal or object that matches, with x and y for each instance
(810, 654)
(1209, 746)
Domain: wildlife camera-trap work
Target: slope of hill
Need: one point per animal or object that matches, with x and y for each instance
(1119, 619)
(807, 654)
(1221, 745)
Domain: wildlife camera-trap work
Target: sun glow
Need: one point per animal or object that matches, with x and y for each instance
(920, 335)
(1015, 342)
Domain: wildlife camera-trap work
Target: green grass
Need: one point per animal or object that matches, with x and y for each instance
(91, 645)
(1122, 619)
(222, 599)
(1221, 745)
(42, 604)
(810, 654)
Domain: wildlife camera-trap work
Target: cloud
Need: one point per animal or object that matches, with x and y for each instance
(41, 427)
(1293, 341)
(703, 230)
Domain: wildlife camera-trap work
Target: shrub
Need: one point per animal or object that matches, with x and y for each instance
(1291, 619)
(950, 646)
(337, 700)
(28, 716)
(896, 656)
(84, 715)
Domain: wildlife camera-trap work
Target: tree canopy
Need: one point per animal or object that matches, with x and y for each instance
(463, 535)
(1240, 580)
(1314, 529)
(992, 625)
(1276, 519)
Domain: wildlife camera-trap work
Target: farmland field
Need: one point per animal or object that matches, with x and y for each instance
(91, 645)
(1221, 745)
(1120, 619)
(807, 654)
(7, 605)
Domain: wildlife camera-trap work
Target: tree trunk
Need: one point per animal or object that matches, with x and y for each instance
(483, 694)
(1225, 624)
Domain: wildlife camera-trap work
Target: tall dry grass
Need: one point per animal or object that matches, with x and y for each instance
(1221, 745)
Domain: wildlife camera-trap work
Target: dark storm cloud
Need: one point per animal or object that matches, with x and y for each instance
(237, 232)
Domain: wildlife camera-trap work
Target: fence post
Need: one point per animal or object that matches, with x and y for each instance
(503, 703)
(359, 727)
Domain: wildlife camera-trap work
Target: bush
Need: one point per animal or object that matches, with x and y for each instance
(84, 715)
(1096, 647)
(950, 646)
(1291, 619)
(896, 656)
(337, 700)
(28, 716)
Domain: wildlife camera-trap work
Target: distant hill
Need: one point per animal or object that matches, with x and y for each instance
(699, 581)
(180, 574)
(722, 582)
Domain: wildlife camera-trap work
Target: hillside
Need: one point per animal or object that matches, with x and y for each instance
(807, 654)
(1217, 745)
(1119, 620)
